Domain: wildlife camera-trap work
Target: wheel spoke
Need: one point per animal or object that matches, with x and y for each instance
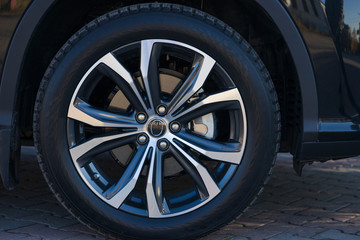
(104, 147)
(98, 145)
(202, 67)
(117, 193)
(113, 69)
(205, 184)
(150, 53)
(157, 205)
(225, 152)
(225, 100)
(83, 112)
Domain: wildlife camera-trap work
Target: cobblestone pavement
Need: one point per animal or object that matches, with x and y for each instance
(323, 204)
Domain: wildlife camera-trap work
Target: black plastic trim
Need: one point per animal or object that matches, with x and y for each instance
(303, 66)
(5, 136)
(328, 150)
(10, 81)
(15, 56)
(338, 131)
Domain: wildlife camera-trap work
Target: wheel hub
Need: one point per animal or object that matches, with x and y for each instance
(157, 128)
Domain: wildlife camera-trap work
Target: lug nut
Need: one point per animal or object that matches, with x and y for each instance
(161, 110)
(163, 144)
(142, 139)
(175, 127)
(141, 117)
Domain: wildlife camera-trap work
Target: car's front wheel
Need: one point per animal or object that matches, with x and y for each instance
(156, 121)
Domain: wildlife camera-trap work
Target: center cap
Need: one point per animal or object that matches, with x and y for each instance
(157, 127)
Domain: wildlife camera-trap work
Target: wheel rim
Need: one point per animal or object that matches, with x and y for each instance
(161, 141)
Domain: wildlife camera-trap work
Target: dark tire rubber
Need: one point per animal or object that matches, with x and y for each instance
(166, 21)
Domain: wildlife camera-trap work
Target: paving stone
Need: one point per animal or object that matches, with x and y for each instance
(11, 236)
(343, 191)
(10, 212)
(252, 211)
(217, 236)
(24, 193)
(281, 191)
(281, 199)
(42, 231)
(32, 238)
(249, 222)
(287, 236)
(239, 238)
(301, 231)
(17, 202)
(355, 220)
(289, 209)
(351, 208)
(316, 188)
(281, 184)
(30, 183)
(335, 234)
(282, 217)
(257, 234)
(310, 179)
(324, 196)
(335, 225)
(51, 198)
(50, 220)
(51, 208)
(80, 228)
(7, 224)
(337, 216)
(321, 204)
(81, 237)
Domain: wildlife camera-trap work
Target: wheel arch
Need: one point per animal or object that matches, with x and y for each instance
(303, 65)
(39, 31)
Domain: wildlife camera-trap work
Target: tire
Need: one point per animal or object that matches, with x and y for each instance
(178, 164)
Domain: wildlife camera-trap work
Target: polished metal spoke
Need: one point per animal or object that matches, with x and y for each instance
(150, 53)
(156, 202)
(202, 66)
(226, 152)
(112, 68)
(104, 147)
(229, 99)
(206, 185)
(85, 113)
(100, 144)
(116, 194)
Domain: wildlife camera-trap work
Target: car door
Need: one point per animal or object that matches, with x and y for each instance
(344, 21)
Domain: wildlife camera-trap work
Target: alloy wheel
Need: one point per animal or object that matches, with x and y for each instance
(156, 128)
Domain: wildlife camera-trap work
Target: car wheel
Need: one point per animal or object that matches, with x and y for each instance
(156, 121)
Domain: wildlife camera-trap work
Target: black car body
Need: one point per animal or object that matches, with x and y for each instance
(310, 47)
